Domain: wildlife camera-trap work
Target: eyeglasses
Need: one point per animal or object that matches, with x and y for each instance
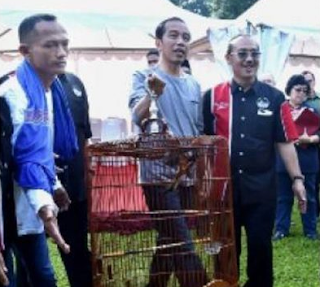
(299, 90)
(243, 55)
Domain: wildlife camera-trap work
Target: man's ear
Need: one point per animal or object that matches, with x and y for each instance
(158, 44)
(24, 50)
(227, 58)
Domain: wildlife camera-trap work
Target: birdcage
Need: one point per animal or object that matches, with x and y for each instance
(160, 213)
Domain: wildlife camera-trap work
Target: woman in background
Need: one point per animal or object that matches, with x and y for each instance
(307, 122)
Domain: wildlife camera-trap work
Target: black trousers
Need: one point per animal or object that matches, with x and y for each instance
(258, 221)
(74, 229)
(182, 260)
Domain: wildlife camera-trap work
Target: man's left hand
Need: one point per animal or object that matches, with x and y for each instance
(61, 198)
(300, 192)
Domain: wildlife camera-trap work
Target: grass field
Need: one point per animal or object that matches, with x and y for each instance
(296, 260)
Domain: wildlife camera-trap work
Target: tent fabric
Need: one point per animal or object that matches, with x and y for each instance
(287, 15)
(274, 44)
(103, 24)
(108, 40)
(282, 28)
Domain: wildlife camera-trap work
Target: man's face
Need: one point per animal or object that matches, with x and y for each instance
(153, 60)
(309, 78)
(244, 58)
(47, 49)
(174, 44)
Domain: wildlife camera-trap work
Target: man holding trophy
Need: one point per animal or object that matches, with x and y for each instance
(169, 99)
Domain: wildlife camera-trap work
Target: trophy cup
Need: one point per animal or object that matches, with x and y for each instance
(153, 124)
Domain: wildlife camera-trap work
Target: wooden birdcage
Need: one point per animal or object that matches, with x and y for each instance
(122, 224)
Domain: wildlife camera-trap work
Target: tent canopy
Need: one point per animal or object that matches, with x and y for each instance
(288, 33)
(100, 23)
(108, 40)
(300, 17)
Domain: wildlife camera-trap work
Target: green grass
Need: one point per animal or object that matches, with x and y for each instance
(296, 260)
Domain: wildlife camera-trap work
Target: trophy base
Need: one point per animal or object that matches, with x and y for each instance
(153, 126)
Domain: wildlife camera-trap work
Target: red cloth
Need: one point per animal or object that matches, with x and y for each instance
(307, 121)
(220, 103)
(116, 189)
(289, 126)
(117, 202)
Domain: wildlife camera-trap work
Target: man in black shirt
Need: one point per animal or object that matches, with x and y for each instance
(254, 119)
(73, 222)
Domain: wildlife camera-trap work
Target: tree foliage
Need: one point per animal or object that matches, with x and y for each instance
(231, 9)
(202, 7)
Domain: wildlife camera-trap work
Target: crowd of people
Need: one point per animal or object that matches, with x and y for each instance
(45, 129)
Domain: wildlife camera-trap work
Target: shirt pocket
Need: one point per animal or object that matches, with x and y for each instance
(263, 126)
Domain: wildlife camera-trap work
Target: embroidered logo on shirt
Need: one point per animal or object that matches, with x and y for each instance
(221, 105)
(77, 92)
(263, 104)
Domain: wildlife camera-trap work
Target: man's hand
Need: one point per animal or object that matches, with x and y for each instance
(300, 192)
(51, 226)
(304, 139)
(61, 198)
(155, 84)
(3, 270)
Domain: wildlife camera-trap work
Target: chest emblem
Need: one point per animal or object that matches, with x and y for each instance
(221, 105)
(263, 105)
(77, 92)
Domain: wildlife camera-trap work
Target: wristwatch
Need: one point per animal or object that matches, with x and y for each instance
(298, 177)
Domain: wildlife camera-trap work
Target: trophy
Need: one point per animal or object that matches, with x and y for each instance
(153, 124)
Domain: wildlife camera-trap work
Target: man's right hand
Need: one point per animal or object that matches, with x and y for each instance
(51, 226)
(155, 84)
(3, 270)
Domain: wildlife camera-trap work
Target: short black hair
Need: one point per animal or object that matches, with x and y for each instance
(295, 80)
(230, 47)
(161, 29)
(153, 51)
(27, 25)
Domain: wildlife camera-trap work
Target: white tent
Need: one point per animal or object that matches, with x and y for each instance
(299, 19)
(298, 23)
(109, 39)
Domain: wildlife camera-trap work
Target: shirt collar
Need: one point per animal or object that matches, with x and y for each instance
(235, 87)
(317, 96)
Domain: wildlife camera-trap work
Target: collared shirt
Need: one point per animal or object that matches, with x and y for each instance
(314, 102)
(256, 125)
(307, 154)
(256, 120)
